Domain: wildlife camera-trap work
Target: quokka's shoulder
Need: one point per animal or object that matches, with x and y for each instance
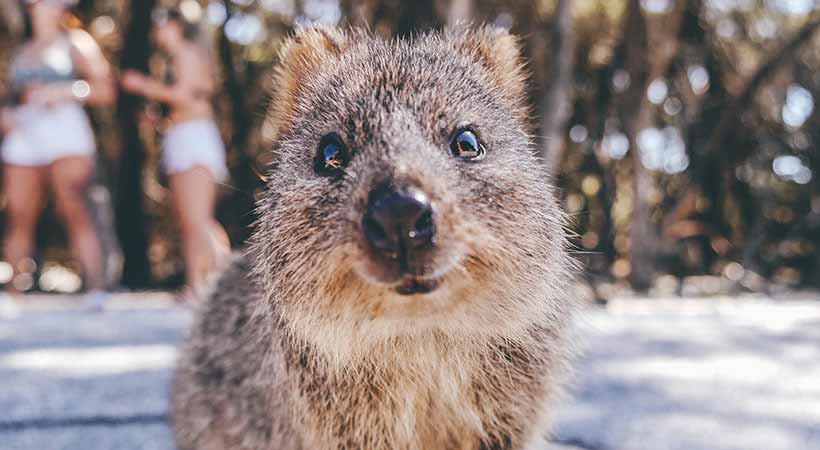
(232, 299)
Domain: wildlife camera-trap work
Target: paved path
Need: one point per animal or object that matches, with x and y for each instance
(699, 375)
(657, 375)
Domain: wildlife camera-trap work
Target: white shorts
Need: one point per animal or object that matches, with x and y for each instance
(194, 143)
(43, 135)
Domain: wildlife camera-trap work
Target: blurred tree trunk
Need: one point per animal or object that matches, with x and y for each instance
(129, 209)
(358, 13)
(84, 8)
(12, 15)
(239, 209)
(415, 16)
(593, 112)
(811, 220)
(648, 52)
(635, 117)
(555, 106)
(459, 11)
(392, 17)
(98, 196)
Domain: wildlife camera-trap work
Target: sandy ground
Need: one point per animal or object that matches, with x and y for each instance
(712, 374)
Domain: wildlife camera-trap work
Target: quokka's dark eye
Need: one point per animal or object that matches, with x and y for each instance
(465, 145)
(331, 156)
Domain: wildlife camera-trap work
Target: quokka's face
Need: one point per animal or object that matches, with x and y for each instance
(404, 185)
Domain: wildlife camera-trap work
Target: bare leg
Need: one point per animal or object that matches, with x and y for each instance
(24, 188)
(69, 178)
(205, 244)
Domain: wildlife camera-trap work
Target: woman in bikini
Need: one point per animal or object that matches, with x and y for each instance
(193, 155)
(47, 139)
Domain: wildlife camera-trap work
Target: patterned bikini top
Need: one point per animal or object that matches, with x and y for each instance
(51, 64)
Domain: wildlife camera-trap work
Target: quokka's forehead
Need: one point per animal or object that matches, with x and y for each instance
(326, 74)
(386, 75)
(438, 65)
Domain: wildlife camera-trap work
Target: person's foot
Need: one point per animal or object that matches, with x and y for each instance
(95, 300)
(188, 296)
(8, 307)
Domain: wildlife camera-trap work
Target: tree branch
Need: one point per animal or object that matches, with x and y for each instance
(727, 126)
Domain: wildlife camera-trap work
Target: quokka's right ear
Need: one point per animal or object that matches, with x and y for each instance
(300, 57)
(500, 52)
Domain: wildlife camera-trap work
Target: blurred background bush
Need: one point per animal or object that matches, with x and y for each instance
(683, 133)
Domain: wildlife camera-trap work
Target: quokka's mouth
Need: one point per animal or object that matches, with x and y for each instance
(411, 285)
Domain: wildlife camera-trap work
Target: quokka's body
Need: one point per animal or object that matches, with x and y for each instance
(408, 283)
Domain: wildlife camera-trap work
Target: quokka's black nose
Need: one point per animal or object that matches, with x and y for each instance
(398, 221)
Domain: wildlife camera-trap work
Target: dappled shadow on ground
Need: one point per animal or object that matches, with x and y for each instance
(77, 329)
(79, 380)
(658, 375)
(712, 375)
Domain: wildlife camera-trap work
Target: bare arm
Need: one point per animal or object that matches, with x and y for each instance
(93, 68)
(6, 120)
(140, 84)
(193, 80)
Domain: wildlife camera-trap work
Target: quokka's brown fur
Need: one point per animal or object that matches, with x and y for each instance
(304, 345)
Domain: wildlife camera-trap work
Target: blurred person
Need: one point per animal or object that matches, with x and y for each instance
(193, 155)
(47, 138)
